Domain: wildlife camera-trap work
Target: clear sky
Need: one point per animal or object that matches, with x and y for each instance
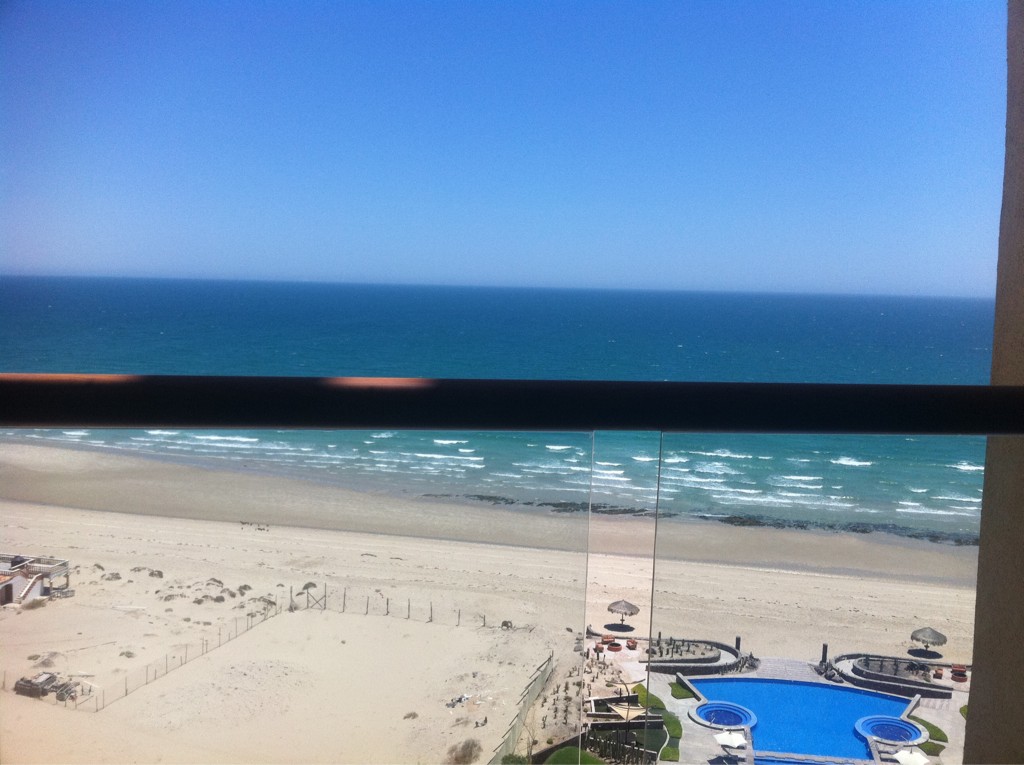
(822, 146)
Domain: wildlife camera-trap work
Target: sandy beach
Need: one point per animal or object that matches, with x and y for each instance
(416, 591)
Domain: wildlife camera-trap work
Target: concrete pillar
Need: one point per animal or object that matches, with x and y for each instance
(993, 722)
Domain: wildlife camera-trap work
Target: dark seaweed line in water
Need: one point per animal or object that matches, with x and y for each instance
(955, 538)
(557, 507)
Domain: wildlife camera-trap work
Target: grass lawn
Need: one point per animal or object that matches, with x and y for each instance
(646, 699)
(570, 755)
(934, 732)
(672, 724)
(680, 692)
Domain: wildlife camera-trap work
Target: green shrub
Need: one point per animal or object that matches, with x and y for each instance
(514, 759)
(934, 732)
(670, 754)
(931, 748)
(465, 753)
(680, 691)
(963, 711)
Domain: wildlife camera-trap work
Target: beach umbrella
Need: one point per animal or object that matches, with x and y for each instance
(625, 608)
(910, 758)
(731, 738)
(928, 637)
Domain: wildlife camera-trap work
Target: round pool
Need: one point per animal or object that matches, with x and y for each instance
(891, 730)
(725, 714)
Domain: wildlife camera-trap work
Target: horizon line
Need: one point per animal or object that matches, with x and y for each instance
(784, 292)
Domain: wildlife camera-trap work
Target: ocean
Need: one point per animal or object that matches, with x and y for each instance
(927, 487)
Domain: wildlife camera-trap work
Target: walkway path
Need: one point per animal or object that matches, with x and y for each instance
(786, 669)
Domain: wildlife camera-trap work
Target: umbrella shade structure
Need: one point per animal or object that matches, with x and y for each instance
(928, 637)
(627, 711)
(731, 738)
(910, 758)
(625, 608)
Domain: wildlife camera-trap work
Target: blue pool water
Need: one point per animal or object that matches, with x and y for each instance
(889, 728)
(804, 718)
(726, 714)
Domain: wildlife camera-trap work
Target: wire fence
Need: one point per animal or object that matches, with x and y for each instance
(526, 700)
(79, 693)
(91, 697)
(373, 602)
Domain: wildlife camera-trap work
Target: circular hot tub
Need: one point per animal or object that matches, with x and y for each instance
(724, 714)
(891, 730)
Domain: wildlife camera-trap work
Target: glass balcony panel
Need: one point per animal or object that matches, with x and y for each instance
(812, 562)
(379, 596)
(439, 572)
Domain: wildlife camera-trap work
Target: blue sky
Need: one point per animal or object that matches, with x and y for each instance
(782, 146)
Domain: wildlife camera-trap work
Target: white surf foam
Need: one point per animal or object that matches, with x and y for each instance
(851, 462)
(967, 467)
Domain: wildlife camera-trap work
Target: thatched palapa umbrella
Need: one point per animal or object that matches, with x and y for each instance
(625, 608)
(928, 637)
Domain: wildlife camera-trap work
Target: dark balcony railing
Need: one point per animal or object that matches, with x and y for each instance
(412, 403)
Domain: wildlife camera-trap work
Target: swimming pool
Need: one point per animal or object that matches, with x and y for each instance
(804, 718)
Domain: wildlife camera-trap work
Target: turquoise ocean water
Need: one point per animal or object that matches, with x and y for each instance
(917, 486)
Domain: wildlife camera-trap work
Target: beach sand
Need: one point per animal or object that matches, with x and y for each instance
(416, 591)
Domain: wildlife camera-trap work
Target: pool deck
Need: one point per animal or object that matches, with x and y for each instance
(698, 744)
(946, 714)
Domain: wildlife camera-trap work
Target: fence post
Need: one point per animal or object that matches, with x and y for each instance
(387, 606)
(459, 622)
(431, 612)
(126, 685)
(344, 598)
(367, 604)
